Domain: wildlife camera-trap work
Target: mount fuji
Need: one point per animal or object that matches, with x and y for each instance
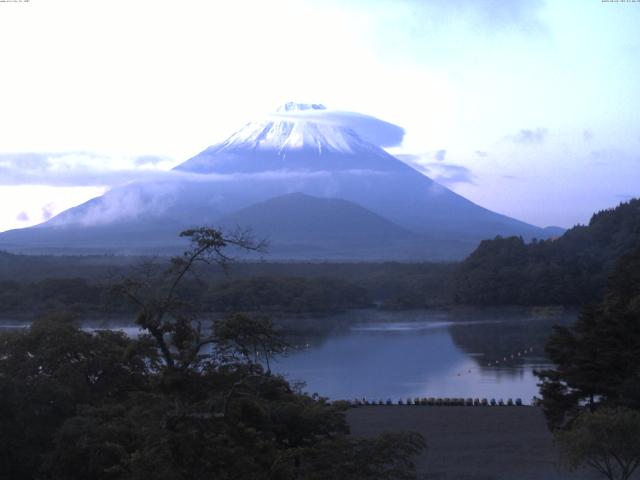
(296, 172)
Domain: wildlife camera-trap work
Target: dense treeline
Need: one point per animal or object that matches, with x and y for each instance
(569, 270)
(295, 295)
(36, 267)
(75, 294)
(288, 295)
(287, 288)
(25, 268)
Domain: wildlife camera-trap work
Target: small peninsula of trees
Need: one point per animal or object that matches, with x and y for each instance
(186, 399)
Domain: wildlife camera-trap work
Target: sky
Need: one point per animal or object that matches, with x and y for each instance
(527, 107)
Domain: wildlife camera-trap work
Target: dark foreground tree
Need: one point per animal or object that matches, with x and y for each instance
(607, 440)
(184, 400)
(255, 339)
(598, 359)
(48, 371)
(164, 311)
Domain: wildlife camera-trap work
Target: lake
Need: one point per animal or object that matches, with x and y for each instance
(382, 355)
(399, 355)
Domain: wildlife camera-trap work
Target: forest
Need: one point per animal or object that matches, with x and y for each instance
(31, 285)
(569, 270)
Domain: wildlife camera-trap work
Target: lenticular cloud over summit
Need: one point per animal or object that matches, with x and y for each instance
(302, 169)
(302, 137)
(372, 129)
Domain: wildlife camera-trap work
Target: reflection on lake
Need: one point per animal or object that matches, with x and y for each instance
(380, 355)
(398, 355)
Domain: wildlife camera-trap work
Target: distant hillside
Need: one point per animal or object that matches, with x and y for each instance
(569, 270)
(302, 226)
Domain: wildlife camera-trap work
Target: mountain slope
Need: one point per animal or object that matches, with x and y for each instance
(329, 160)
(302, 226)
(297, 149)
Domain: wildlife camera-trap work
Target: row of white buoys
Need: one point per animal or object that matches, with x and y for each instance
(513, 356)
(439, 402)
(505, 360)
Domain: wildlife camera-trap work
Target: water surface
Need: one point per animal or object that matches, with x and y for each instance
(399, 355)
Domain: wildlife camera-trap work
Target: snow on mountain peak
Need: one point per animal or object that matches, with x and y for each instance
(298, 136)
(297, 126)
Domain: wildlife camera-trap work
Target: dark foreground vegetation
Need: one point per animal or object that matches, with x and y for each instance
(591, 398)
(598, 359)
(185, 400)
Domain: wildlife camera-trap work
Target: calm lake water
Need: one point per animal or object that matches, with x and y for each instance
(398, 355)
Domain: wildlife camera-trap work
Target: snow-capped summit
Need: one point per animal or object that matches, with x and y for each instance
(298, 136)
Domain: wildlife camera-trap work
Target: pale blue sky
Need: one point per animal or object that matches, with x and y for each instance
(527, 107)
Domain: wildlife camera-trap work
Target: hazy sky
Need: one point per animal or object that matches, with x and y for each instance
(528, 107)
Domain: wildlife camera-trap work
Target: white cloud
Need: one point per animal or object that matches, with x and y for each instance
(26, 205)
(79, 169)
(444, 173)
(529, 136)
(372, 129)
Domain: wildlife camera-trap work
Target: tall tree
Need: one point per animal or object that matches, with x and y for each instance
(168, 317)
(598, 359)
